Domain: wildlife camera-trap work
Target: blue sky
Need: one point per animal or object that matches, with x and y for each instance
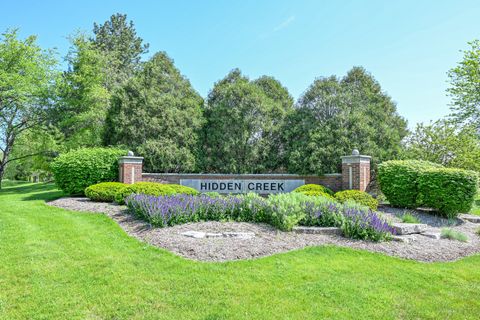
(408, 46)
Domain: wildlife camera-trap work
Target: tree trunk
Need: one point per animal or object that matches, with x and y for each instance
(2, 171)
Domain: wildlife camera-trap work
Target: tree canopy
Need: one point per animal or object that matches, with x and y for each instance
(27, 90)
(243, 125)
(465, 87)
(157, 114)
(336, 115)
(445, 143)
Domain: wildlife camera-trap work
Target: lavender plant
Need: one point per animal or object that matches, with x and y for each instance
(283, 211)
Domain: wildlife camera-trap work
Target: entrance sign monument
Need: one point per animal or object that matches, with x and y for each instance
(355, 175)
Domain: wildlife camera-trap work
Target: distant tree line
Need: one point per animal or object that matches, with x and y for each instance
(110, 96)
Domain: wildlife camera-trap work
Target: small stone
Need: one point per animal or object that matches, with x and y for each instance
(318, 230)
(405, 239)
(240, 235)
(213, 235)
(471, 218)
(409, 228)
(432, 234)
(194, 234)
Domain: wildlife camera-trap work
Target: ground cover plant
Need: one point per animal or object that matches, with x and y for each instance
(60, 264)
(284, 211)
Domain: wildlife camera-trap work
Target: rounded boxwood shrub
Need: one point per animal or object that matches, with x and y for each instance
(104, 191)
(358, 196)
(76, 170)
(317, 194)
(152, 189)
(314, 187)
(398, 180)
(450, 191)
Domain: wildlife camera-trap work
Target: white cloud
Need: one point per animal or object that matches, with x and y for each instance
(284, 24)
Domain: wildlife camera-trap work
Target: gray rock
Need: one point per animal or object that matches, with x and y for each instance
(470, 218)
(406, 238)
(194, 234)
(409, 228)
(213, 235)
(318, 230)
(432, 234)
(240, 235)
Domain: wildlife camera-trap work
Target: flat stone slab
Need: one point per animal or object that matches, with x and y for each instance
(318, 230)
(194, 234)
(409, 228)
(432, 234)
(200, 235)
(471, 218)
(405, 239)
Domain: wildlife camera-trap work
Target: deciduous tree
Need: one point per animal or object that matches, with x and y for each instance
(336, 115)
(243, 126)
(27, 82)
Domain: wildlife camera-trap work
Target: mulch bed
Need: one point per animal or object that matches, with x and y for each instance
(268, 240)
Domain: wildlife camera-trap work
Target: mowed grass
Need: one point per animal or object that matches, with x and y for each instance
(59, 264)
(476, 205)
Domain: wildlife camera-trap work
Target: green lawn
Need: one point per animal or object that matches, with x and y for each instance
(476, 206)
(57, 264)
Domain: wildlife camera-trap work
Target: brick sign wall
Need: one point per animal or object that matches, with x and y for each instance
(260, 183)
(355, 175)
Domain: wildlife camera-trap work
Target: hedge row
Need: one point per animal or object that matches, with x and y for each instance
(413, 183)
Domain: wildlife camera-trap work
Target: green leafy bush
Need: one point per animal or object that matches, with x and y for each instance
(317, 194)
(358, 196)
(104, 191)
(450, 191)
(314, 187)
(76, 170)
(398, 180)
(409, 218)
(152, 189)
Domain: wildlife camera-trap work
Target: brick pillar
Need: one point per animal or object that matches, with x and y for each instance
(355, 171)
(130, 168)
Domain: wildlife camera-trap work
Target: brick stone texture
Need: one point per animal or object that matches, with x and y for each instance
(360, 175)
(125, 172)
(333, 181)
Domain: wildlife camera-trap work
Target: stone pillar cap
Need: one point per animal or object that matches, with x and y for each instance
(355, 158)
(130, 159)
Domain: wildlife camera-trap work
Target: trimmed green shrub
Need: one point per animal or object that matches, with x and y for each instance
(152, 189)
(398, 180)
(76, 170)
(450, 191)
(314, 187)
(104, 191)
(358, 196)
(317, 194)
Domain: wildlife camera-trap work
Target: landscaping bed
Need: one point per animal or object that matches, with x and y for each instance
(268, 240)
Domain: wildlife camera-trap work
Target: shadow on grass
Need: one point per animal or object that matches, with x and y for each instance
(33, 191)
